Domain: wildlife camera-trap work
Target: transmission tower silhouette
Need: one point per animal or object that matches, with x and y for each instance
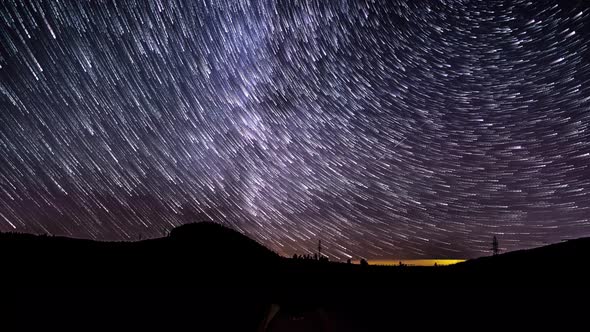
(495, 246)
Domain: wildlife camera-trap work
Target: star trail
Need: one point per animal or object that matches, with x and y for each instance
(387, 129)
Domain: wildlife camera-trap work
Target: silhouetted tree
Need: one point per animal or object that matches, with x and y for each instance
(348, 261)
(295, 256)
(495, 246)
(364, 262)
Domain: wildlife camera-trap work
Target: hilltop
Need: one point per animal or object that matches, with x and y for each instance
(190, 252)
(555, 265)
(215, 253)
(231, 280)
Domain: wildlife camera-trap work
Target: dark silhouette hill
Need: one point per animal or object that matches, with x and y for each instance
(556, 265)
(210, 251)
(190, 252)
(215, 242)
(565, 254)
(237, 284)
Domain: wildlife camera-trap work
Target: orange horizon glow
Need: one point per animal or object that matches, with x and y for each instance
(413, 262)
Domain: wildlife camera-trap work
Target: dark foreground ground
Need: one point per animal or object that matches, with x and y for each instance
(246, 309)
(204, 277)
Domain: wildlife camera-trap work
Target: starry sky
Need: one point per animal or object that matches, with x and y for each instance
(387, 129)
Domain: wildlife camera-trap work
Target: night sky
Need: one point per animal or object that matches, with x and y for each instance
(387, 129)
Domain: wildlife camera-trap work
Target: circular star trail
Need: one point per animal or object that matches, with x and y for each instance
(415, 129)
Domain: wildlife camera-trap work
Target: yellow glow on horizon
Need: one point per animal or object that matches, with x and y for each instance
(414, 262)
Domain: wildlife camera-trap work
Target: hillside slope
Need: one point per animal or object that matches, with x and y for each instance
(192, 251)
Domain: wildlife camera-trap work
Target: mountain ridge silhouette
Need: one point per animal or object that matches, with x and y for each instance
(216, 253)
